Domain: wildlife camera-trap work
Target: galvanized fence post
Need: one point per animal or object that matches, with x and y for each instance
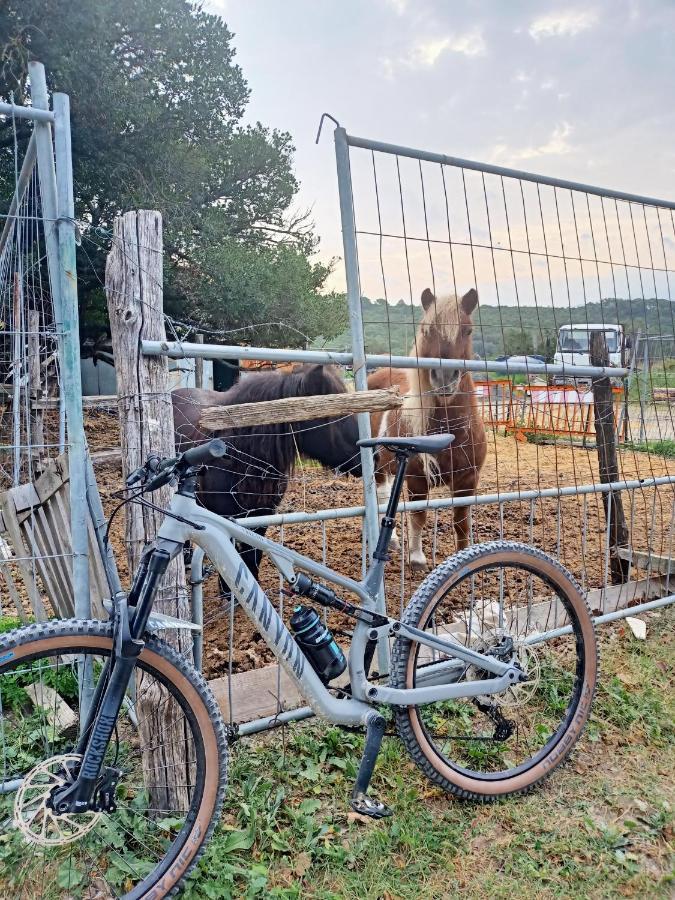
(359, 360)
(72, 379)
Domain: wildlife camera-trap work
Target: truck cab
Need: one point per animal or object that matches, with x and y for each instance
(573, 347)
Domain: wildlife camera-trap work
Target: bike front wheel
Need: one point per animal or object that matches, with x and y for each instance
(166, 768)
(517, 603)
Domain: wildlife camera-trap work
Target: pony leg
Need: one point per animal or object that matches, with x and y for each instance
(461, 519)
(418, 489)
(383, 491)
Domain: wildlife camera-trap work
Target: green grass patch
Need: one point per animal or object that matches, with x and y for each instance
(664, 448)
(600, 827)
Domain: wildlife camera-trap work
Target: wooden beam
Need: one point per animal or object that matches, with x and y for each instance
(663, 565)
(298, 409)
(262, 692)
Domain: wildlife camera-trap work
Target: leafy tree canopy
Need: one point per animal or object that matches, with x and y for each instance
(157, 103)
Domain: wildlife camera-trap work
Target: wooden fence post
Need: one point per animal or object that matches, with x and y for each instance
(134, 288)
(199, 364)
(605, 435)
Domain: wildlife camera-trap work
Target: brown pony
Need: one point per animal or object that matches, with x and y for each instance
(436, 400)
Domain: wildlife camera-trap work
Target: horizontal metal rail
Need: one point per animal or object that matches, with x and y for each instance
(607, 617)
(353, 512)
(457, 162)
(182, 350)
(26, 112)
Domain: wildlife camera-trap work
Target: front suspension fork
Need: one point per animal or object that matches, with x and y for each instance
(117, 673)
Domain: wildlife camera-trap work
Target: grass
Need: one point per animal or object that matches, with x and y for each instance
(602, 826)
(664, 448)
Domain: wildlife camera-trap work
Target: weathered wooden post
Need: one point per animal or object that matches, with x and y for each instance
(35, 382)
(199, 364)
(134, 287)
(605, 435)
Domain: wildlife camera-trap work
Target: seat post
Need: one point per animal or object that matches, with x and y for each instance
(389, 520)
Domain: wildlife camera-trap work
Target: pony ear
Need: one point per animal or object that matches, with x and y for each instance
(427, 299)
(469, 301)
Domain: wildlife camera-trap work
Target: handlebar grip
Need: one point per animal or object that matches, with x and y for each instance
(202, 455)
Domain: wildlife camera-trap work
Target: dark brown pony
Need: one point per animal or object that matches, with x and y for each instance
(253, 477)
(436, 400)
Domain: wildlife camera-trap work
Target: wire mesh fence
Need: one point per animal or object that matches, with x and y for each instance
(552, 264)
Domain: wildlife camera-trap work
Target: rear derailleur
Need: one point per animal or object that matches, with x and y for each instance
(504, 727)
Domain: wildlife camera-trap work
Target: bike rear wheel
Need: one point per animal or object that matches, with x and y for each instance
(519, 604)
(168, 758)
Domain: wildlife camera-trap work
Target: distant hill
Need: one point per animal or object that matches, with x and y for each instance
(390, 328)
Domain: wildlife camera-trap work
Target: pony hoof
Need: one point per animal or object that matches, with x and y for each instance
(419, 565)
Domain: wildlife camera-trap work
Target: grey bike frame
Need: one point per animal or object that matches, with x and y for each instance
(217, 536)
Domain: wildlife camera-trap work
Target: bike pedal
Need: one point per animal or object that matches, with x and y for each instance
(369, 806)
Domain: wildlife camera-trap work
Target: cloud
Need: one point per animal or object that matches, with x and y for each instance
(399, 6)
(556, 145)
(567, 23)
(424, 54)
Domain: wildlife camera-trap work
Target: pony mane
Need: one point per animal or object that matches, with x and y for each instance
(443, 315)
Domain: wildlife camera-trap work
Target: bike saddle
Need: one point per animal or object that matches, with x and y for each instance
(428, 443)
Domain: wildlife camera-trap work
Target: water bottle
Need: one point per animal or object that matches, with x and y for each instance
(317, 643)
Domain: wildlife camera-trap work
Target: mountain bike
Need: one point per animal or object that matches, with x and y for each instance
(492, 674)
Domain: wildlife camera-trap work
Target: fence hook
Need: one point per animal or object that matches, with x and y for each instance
(325, 116)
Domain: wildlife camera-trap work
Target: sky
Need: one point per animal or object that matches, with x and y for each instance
(582, 92)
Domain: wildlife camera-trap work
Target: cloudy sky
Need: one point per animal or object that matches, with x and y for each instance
(578, 91)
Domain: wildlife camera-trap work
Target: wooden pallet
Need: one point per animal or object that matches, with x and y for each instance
(35, 525)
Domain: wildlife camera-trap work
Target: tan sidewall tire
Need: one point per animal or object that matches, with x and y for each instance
(166, 662)
(437, 584)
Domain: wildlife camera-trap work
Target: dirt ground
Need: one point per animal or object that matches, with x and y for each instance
(572, 529)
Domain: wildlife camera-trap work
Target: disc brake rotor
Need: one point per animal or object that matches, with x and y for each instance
(35, 819)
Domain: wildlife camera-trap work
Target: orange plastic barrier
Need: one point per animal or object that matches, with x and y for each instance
(562, 410)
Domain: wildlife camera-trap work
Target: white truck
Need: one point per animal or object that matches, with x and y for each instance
(573, 347)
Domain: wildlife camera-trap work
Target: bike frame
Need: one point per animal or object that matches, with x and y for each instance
(217, 535)
(186, 521)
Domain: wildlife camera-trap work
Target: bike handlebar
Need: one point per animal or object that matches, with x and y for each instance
(202, 455)
(161, 471)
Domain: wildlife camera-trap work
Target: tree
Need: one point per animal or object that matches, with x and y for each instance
(517, 342)
(157, 102)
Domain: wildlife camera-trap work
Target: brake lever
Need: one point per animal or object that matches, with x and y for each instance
(135, 477)
(164, 477)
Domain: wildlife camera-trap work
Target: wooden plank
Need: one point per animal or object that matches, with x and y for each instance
(608, 466)
(298, 409)
(95, 401)
(52, 479)
(13, 592)
(98, 582)
(663, 565)
(101, 457)
(43, 565)
(258, 693)
(55, 567)
(23, 555)
(24, 497)
(59, 714)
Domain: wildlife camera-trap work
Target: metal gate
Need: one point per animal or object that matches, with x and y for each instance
(542, 252)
